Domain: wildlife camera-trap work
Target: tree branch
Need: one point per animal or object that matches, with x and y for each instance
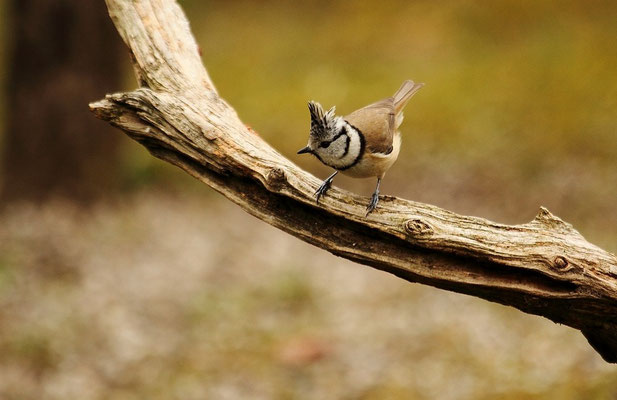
(544, 267)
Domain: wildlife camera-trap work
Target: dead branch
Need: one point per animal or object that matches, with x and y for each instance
(544, 267)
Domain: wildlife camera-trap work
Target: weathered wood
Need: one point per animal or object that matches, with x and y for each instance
(544, 267)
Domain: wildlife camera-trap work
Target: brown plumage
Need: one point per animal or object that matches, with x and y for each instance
(380, 120)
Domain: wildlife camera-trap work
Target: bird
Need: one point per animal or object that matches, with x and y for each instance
(362, 144)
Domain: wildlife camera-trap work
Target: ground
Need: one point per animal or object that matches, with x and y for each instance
(164, 296)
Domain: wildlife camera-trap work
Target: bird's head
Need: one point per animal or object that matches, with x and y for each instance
(326, 129)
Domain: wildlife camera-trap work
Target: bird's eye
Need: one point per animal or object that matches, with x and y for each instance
(324, 144)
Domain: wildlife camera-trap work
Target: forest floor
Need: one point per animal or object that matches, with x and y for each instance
(162, 296)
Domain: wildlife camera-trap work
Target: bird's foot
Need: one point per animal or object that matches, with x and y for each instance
(373, 204)
(322, 189)
(324, 186)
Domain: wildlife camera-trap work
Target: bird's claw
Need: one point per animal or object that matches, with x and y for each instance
(322, 189)
(373, 204)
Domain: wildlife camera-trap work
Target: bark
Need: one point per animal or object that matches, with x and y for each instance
(544, 267)
(63, 53)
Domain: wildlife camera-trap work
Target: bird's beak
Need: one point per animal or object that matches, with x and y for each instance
(303, 150)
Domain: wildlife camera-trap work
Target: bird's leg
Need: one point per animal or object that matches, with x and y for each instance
(374, 199)
(325, 186)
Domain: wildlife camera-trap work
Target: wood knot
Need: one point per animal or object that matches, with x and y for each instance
(418, 227)
(210, 134)
(276, 178)
(561, 264)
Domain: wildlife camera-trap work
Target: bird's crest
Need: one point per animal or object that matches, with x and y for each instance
(321, 122)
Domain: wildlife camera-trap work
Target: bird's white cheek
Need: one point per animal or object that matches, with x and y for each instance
(328, 157)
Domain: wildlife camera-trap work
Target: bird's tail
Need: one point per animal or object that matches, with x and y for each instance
(404, 93)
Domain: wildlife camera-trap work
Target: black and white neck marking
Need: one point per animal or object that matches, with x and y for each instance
(344, 150)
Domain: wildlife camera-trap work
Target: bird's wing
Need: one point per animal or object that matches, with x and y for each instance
(376, 122)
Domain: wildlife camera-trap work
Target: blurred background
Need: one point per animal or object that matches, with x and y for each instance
(122, 278)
